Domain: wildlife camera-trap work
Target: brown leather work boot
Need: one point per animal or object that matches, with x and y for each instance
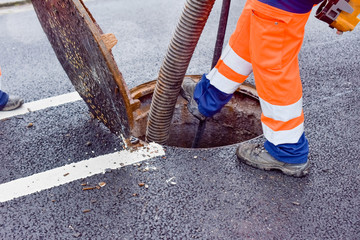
(255, 154)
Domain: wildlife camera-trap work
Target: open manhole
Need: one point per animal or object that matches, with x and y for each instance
(238, 121)
(84, 51)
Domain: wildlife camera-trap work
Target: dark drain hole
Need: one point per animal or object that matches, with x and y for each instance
(238, 121)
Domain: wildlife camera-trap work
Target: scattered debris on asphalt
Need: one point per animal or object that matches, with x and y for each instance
(98, 186)
(146, 168)
(171, 181)
(77, 234)
(134, 140)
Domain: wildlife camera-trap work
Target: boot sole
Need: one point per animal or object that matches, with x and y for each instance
(294, 173)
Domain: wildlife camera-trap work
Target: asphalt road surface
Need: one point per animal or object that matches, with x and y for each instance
(49, 157)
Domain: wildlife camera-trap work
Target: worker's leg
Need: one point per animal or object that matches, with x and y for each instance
(274, 47)
(216, 88)
(275, 40)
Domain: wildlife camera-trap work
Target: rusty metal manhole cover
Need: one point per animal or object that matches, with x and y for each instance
(85, 54)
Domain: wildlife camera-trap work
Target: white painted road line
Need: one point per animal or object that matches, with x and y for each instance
(74, 171)
(41, 104)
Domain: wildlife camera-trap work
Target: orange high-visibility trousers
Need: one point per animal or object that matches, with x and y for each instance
(267, 41)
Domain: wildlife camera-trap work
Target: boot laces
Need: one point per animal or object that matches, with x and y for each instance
(259, 149)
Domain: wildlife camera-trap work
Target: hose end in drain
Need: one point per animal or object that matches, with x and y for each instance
(173, 69)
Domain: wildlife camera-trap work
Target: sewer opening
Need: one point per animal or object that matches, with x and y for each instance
(238, 121)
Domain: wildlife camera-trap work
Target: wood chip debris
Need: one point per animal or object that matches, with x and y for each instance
(141, 184)
(86, 210)
(30, 125)
(100, 185)
(66, 174)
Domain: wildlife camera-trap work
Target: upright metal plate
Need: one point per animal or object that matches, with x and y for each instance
(76, 40)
